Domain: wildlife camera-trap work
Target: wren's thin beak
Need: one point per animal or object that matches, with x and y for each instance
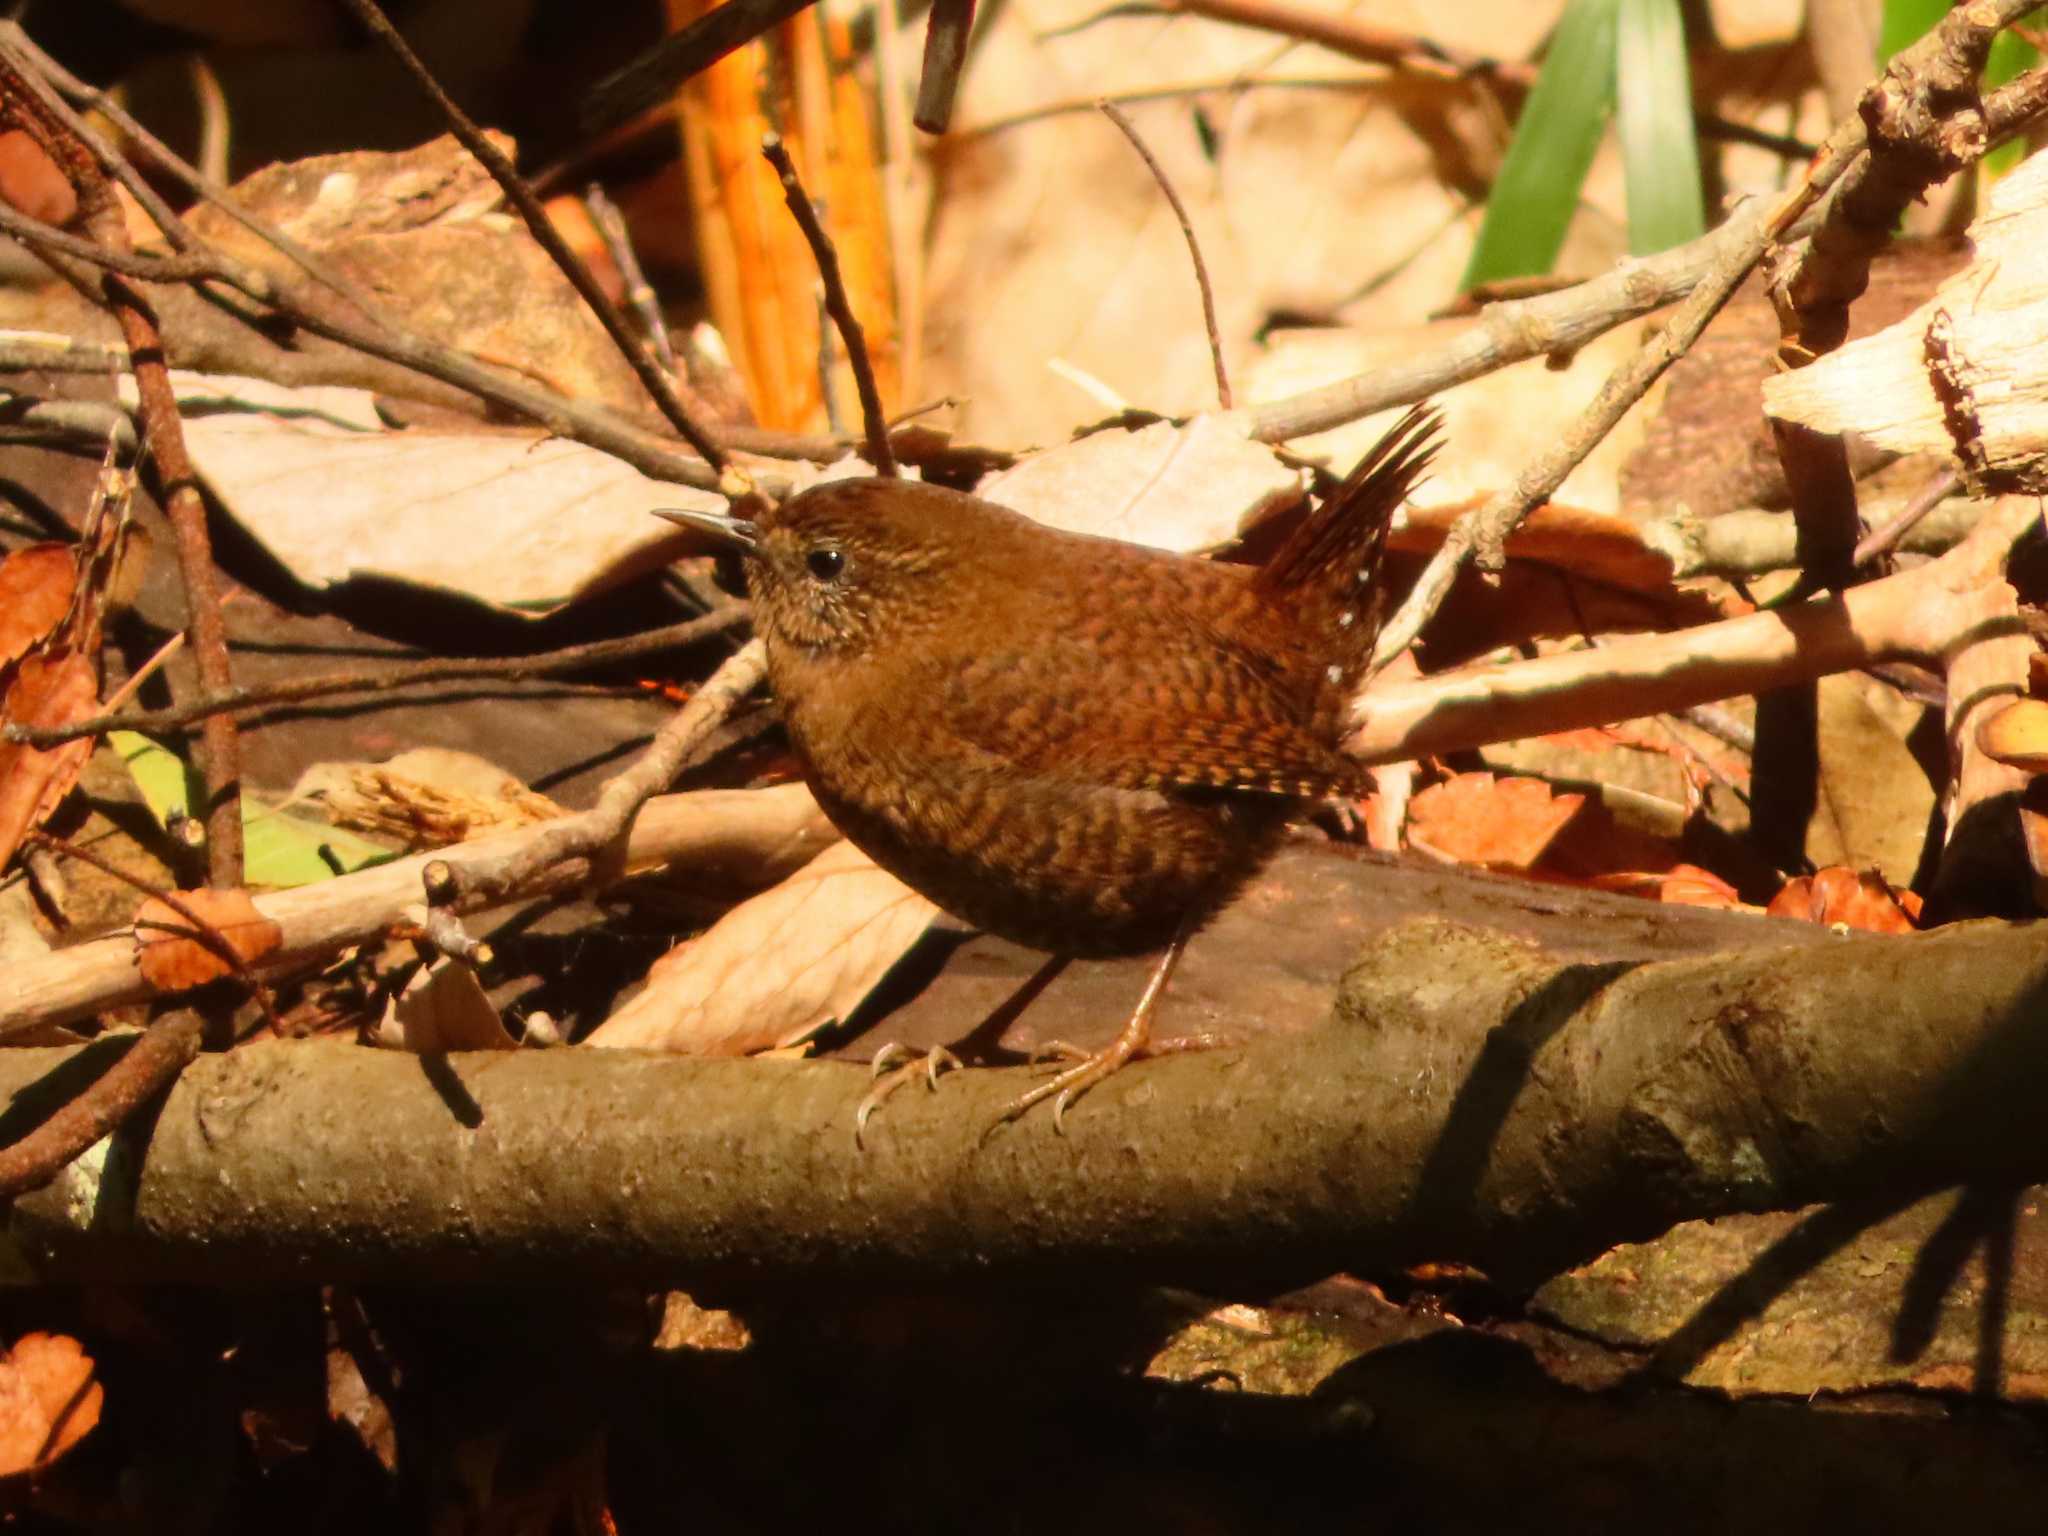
(736, 531)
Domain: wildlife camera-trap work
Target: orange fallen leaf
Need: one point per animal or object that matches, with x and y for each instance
(1852, 898)
(35, 591)
(172, 959)
(1475, 818)
(56, 687)
(2017, 735)
(1685, 885)
(49, 1401)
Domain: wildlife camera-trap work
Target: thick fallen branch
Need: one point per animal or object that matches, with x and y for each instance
(1474, 1097)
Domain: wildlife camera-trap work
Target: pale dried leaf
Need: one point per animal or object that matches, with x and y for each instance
(53, 688)
(172, 960)
(1180, 487)
(49, 1401)
(430, 796)
(330, 503)
(444, 1008)
(779, 967)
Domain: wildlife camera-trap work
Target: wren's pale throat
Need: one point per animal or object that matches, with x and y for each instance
(1071, 742)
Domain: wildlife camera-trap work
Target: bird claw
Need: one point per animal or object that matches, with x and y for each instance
(893, 1066)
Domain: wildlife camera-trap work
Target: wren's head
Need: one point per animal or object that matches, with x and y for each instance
(852, 562)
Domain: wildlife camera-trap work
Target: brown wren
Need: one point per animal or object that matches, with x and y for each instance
(1075, 743)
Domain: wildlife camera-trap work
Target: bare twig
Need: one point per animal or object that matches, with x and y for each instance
(658, 384)
(144, 1069)
(1883, 540)
(205, 934)
(618, 244)
(1124, 125)
(1361, 40)
(601, 829)
(299, 690)
(805, 212)
(947, 30)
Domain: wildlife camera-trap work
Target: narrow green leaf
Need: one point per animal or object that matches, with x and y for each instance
(1906, 22)
(1537, 190)
(278, 848)
(1654, 118)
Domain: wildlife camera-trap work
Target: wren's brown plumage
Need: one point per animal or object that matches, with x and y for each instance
(1075, 743)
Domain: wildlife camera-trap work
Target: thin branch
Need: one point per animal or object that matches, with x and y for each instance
(602, 828)
(149, 1064)
(658, 384)
(946, 33)
(1361, 40)
(618, 244)
(1124, 125)
(299, 690)
(1883, 541)
(805, 213)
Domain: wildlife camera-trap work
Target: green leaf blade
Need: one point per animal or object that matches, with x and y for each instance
(1537, 191)
(1660, 154)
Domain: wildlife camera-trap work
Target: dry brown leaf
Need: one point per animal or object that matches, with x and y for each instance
(1685, 885)
(49, 1401)
(35, 590)
(31, 183)
(444, 1008)
(778, 968)
(330, 503)
(1476, 818)
(2017, 735)
(1183, 487)
(1848, 898)
(172, 960)
(53, 688)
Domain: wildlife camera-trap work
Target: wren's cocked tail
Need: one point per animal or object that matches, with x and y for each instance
(1071, 742)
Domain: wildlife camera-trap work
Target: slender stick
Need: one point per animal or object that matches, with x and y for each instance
(1124, 125)
(254, 696)
(806, 215)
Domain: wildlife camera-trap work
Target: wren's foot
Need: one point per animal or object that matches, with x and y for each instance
(1134, 1041)
(894, 1065)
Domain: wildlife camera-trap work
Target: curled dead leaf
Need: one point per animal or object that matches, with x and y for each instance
(2017, 735)
(172, 958)
(52, 688)
(1848, 898)
(445, 1008)
(49, 1401)
(778, 968)
(1476, 818)
(35, 591)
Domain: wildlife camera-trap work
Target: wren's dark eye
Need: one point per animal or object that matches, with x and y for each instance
(825, 564)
